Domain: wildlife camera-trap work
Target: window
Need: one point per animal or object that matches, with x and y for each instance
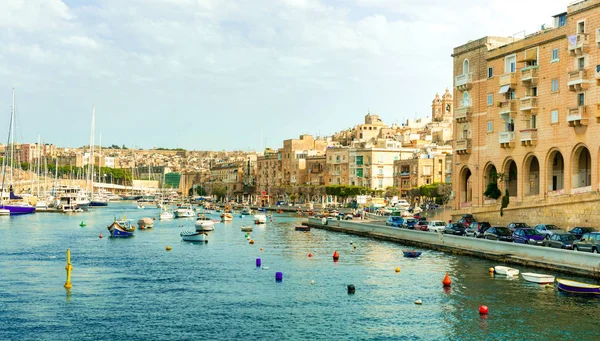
(581, 99)
(513, 95)
(533, 122)
(466, 67)
(510, 64)
(490, 72)
(380, 183)
(554, 116)
(554, 56)
(490, 99)
(555, 85)
(581, 63)
(562, 20)
(466, 102)
(581, 27)
(490, 126)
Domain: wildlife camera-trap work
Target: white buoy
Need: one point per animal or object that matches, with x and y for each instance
(312, 282)
(419, 302)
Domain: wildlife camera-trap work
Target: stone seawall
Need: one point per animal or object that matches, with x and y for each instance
(578, 263)
(565, 211)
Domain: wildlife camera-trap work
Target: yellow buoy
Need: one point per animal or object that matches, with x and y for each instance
(69, 268)
(251, 241)
(491, 269)
(355, 247)
(168, 247)
(397, 269)
(312, 282)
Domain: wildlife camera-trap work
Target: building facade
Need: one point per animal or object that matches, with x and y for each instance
(527, 119)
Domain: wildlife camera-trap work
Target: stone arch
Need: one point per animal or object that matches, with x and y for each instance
(511, 176)
(531, 175)
(555, 171)
(465, 185)
(581, 167)
(465, 66)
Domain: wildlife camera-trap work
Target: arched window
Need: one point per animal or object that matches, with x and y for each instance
(466, 67)
(466, 99)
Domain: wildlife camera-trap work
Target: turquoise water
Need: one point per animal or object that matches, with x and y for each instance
(133, 289)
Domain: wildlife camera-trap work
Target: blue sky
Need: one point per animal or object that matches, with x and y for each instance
(211, 75)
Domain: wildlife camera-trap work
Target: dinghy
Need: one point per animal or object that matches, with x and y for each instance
(537, 278)
(506, 271)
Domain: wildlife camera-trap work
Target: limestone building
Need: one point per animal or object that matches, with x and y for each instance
(529, 110)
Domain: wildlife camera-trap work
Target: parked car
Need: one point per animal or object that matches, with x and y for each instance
(579, 231)
(561, 240)
(422, 224)
(394, 221)
(528, 236)
(548, 229)
(514, 226)
(589, 242)
(455, 229)
(477, 228)
(499, 233)
(410, 223)
(466, 220)
(436, 225)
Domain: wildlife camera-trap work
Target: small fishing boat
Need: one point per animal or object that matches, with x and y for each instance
(261, 209)
(302, 228)
(246, 228)
(145, 223)
(204, 223)
(411, 253)
(506, 271)
(260, 218)
(577, 287)
(193, 236)
(166, 215)
(226, 216)
(246, 211)
(537, 278)
(121, 228)
(184, 211)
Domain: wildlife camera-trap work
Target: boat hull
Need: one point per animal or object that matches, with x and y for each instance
(411, 254)
(506, 271)
(17, 209)
(118, 231)
(204, 225)
(190, 236)
(537, 278)
(184, 214)
(580, 288)
(98, 203)
(302, 228)
(260, 219)
(166, 216)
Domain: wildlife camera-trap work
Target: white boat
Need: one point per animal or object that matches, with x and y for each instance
(4, 211)
(141, 206)
(193, 236)
(226, 216)
(246, 228)
(166, 215)
(260, 218)
(184, 211)
(246, 211)
(506, 271)
(204, 224)
(537, 278)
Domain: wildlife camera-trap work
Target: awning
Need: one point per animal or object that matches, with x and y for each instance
(504, 89)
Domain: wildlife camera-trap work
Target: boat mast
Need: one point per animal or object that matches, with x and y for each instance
(4, 160)
(39, 155)
(92, 160)
(10, 135)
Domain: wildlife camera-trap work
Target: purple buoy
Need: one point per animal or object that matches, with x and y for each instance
(278, 276)
(258, 262)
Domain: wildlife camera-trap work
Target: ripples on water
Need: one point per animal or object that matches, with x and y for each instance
(132, 289)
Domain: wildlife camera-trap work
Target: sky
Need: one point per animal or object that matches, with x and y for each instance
(233, 74)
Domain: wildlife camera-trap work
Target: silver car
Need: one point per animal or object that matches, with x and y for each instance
(436, 225)
(548, 229)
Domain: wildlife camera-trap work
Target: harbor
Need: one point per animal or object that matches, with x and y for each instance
(220, 282)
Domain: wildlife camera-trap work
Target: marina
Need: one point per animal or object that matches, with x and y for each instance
(227, 289)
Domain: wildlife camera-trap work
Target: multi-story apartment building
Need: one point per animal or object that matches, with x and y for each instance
(268, 169)
(315, 166)
(528, 111)
(372, 166)
(423, 170)
(293, 157)
(28, 152)
(228, 174)
(337, 166)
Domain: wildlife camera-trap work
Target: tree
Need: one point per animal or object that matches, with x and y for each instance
(392, 192)
(200, 191)
(505, 202)
(219, 191)
(444, 191)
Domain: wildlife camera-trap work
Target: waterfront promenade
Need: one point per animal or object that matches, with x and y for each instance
(567, 261)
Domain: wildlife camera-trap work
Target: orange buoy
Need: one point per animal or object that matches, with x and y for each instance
(168, 248)
(153, 218)
(483, 310)
(251, 241)
(447, 281)
(261, 249)
(309, 255)
(100, 236)
(336, 256)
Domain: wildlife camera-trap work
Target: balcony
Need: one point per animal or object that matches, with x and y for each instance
(508, 107)
(529, 76)
(577, 80)
(508, 79)
(463, 113)
(463, 146)
(464, 82)
(577, 116)
(405, 173)
(581, 45)
(597, 76)
(529, 105)
(528, 137)
(507, 139)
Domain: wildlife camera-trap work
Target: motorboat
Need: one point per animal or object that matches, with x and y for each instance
(537, 278)
(575, 287)
(246, 211)
(506, 271)
(411, 253)
(204, 223)
(302, 228)
(184, 211)
(145, 223)
(260, 218)
(247, 228)
(121, 229)
(166, 215)
(140, 206)
(226, 216)
(193, 236)
(72, 195)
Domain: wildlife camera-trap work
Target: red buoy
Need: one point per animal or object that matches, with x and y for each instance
(100, 236)
(309, 255)
(447, 281)
(336, 256)
(483, 310)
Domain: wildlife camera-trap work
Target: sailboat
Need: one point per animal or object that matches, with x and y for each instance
(99, 200)
(41, 200)
(13, 206)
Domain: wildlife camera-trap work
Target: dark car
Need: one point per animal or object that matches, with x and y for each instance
(561, 240)
(477, 228)
(455, 229)
(499, 233)
(579, 231)
(422, 224)
(410, 223)
(589, 242)
(548, 229)
(528, 236)
(394, 221)
(514, 226)
(466, 220)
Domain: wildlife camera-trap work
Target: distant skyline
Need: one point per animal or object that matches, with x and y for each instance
(211, 74)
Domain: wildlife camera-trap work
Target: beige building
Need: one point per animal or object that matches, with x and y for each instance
(293, 158)
(337, 166)
(372, 166)
(424, 170)
(529, 110)
(315, 166)
(268, 174)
